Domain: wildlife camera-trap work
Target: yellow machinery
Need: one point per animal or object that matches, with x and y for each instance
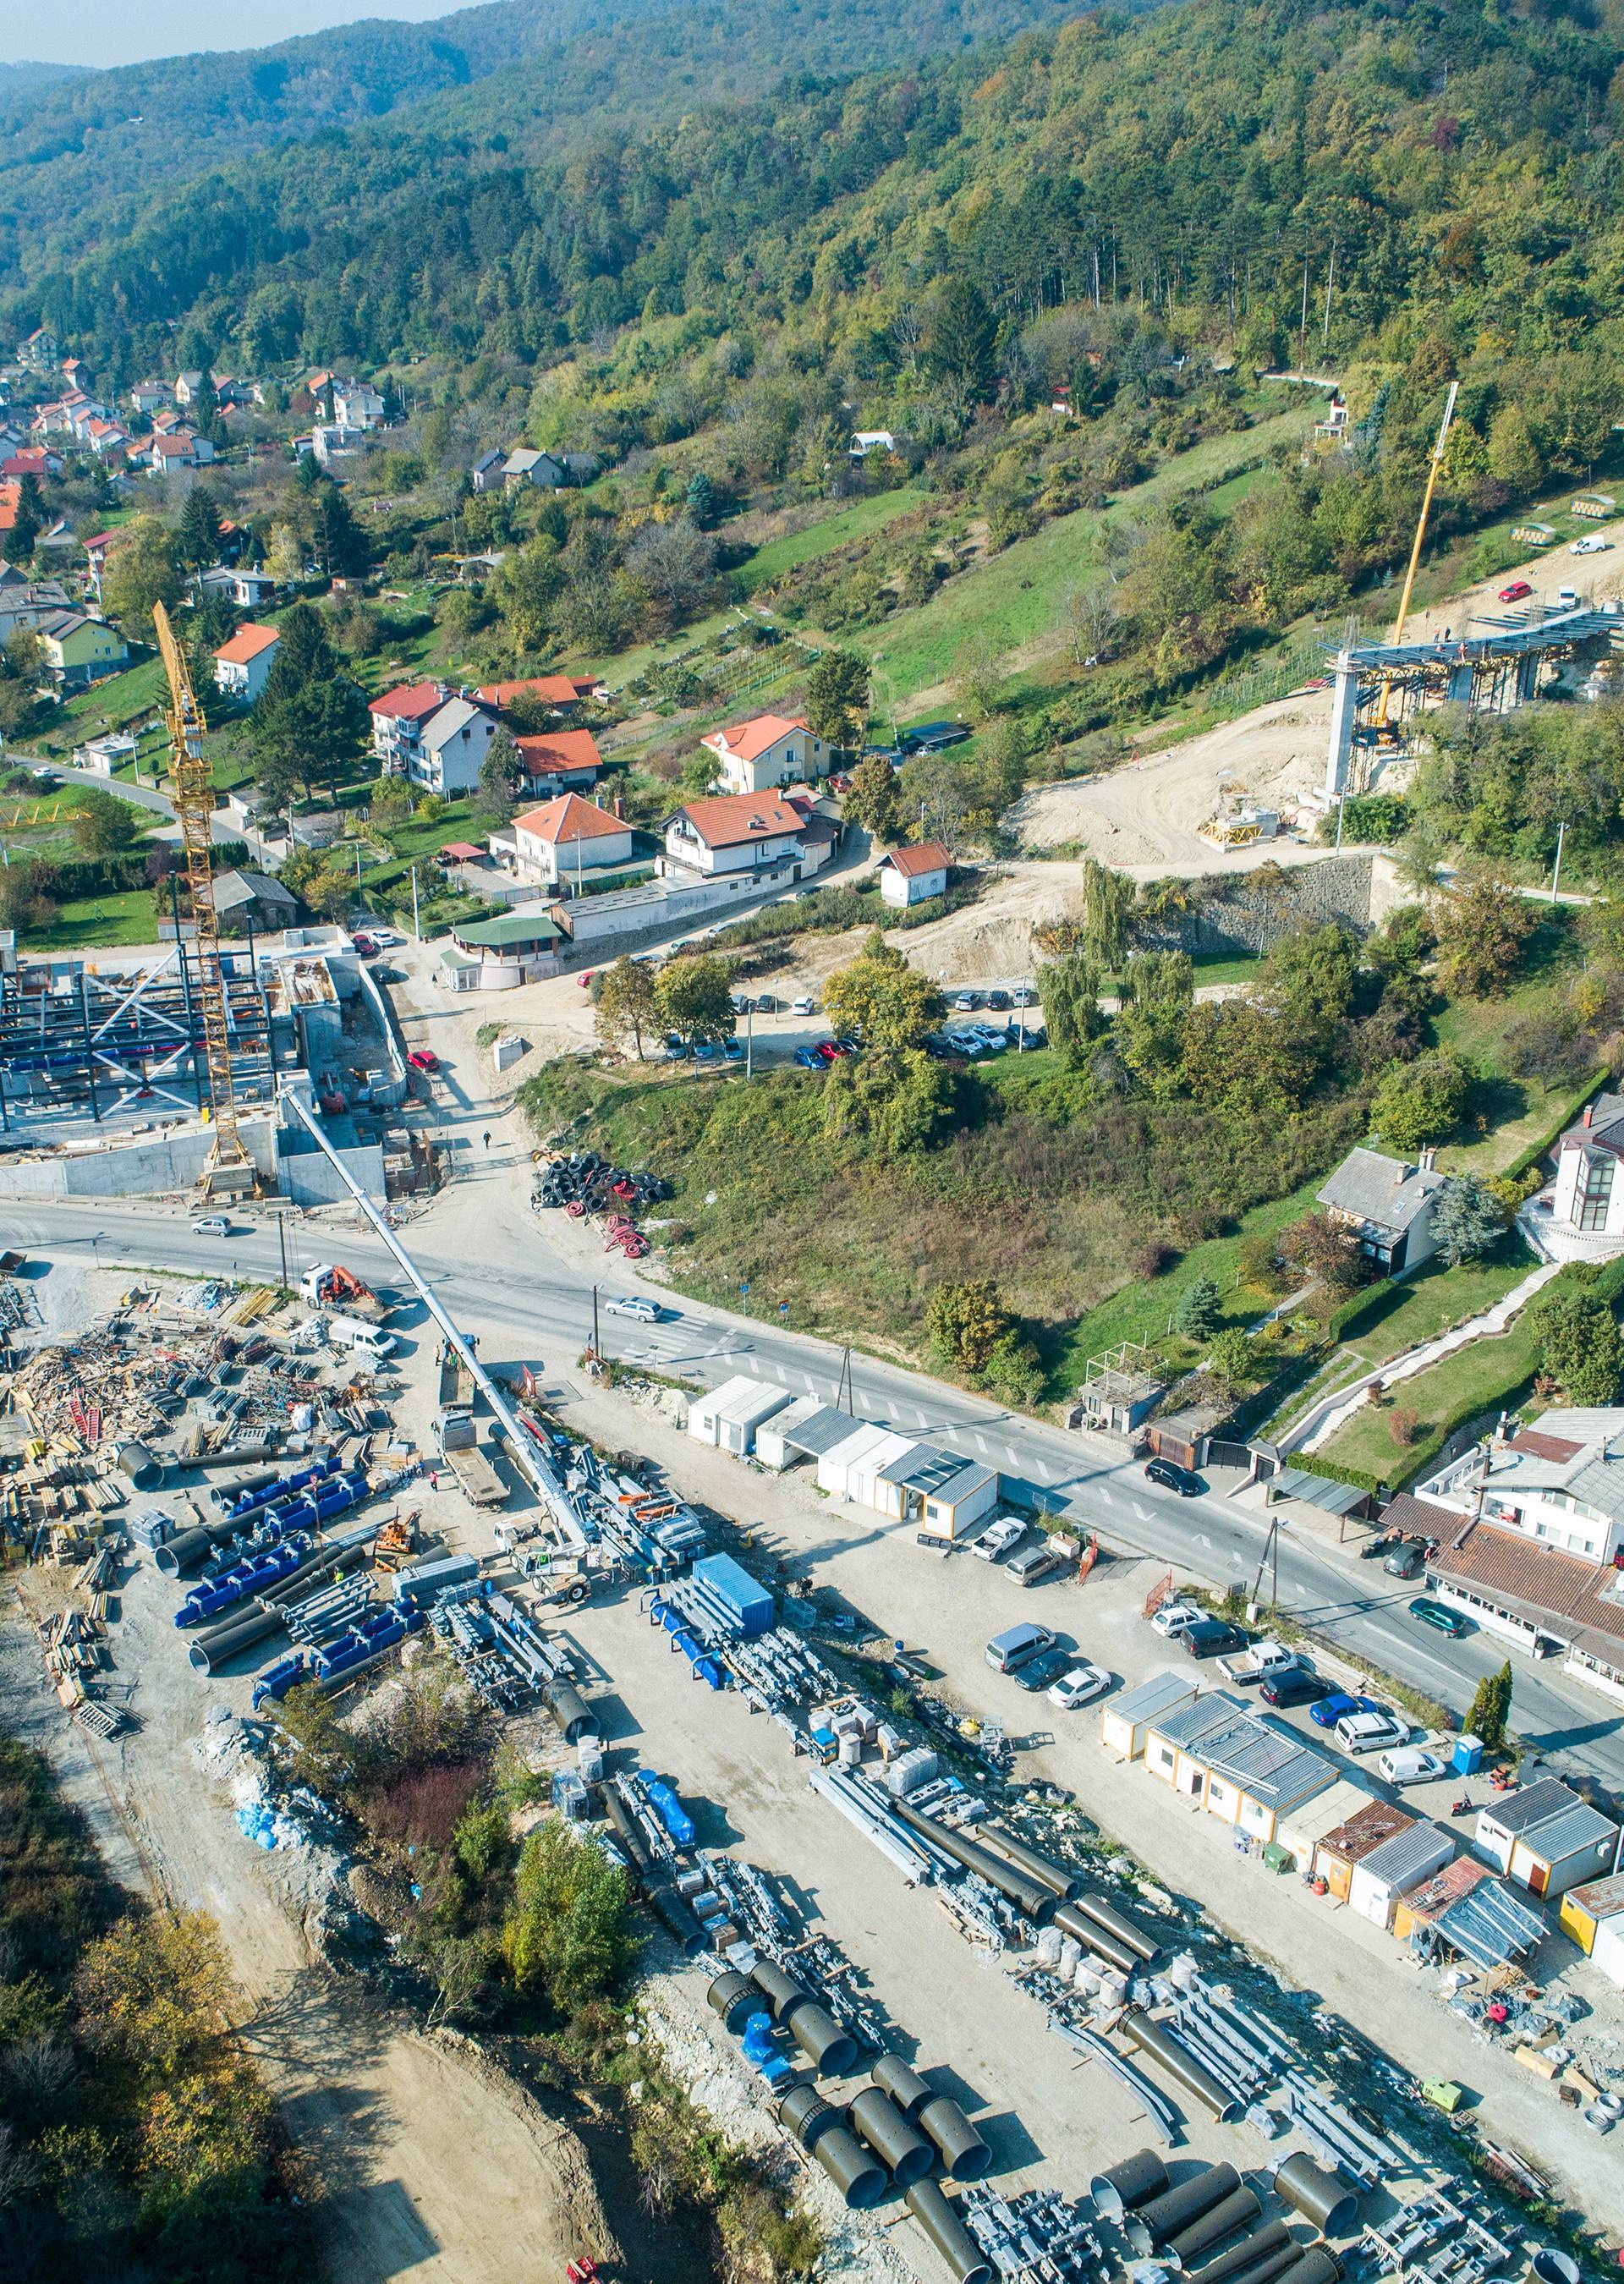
(1434, 469)
(192, 790)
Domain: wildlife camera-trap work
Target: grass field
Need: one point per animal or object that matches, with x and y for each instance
(1016, 599)
(778, 555)
(1404, 1314)
(1486, 1376)
(97, 923)
(1516, 1112)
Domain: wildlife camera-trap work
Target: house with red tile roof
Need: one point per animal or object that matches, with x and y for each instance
(398, 717)
(910, 875)
(768, 750)
(560, 761)
(737, 832)
(556, 844)
(242, 666)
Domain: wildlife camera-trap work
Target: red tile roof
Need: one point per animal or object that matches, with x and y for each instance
(247, 643)
(730, 818)
(926, 856)
(550, 752)
(555, 689)
(1539, 1585)
(747, 742)
(569, 819)
(408, 701)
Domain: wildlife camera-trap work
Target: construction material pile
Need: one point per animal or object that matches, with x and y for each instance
(587, 1183)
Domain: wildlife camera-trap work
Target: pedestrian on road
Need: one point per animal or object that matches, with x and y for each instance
(488, 1138)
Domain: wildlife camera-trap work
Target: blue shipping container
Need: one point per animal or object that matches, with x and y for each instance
(751, 1605)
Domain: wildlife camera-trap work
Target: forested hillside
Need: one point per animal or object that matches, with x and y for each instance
(80, 159)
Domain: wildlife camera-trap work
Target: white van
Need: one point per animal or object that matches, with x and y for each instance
(1369, 1733)
(1410, 1764)
(355, 1333)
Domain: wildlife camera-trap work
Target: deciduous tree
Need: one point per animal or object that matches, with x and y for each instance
(967, 1321)
(838, 698)
(693, 997)
(1420, 1102)
(1482, 926)
(875, 798)
(626, 1003)
(890, 1006)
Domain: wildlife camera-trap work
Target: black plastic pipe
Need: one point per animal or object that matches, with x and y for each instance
(782, 1991)
(222, 1644)
(860, 2181)
(1274, 2268)
(892, 2076)
(1122, 1925)
(805, 2114)
(898, 2145)
(1319, 2195)
(1274, 2236)
(1155, 2039)
(1019, 1888)
(963, 2155)
(633, 1845)
(1042, 1868)
(188, 1548)
(569, 1709)
(735, 1997)
(1095, 1940)
(936, 2215)
(1120, 2188)
(1241, 2209)
(674, 1916)
(1176, 2208)
(831, 2050)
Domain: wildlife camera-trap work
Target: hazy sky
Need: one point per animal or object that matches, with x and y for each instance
(127, 31)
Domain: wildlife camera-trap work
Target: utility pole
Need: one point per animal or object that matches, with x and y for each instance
(415, 929)
(282, 1241)
(1330, 281)
(1555, 870)
(845, 1398)
(750, 1040)
(596, 1349)
(1302, 357)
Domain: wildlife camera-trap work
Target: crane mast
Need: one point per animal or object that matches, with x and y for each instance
(193, 791)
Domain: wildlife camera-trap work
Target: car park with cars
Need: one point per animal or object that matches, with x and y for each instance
(1338, 1706)
(1079, 1684)
(1018, 1646)
(810, 1059)
(1037, 1676)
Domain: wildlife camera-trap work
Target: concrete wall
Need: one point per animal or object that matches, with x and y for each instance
(153, 1165)
(308, 1178)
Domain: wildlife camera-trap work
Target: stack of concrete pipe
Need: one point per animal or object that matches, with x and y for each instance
(965, 2155)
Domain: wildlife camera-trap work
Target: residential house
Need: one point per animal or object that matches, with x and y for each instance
(768, 751)
(242, 666)
(39, 350)
(28, 602)
(1535, 1554)
(1593, 1915)
(554, 846)
(103, 756)
(565, 694)
(523, 466)
(168, 455)
(76, 372)
(1580, 1214)
(249, 590)
(914, 874)
(1400, 1864)
(1546, 1838)
(737, 832)
(150, 397)
(246, 900)
(357, 406)
(486, 475)
(1389, 1204)
(80, 650)
(95, 549)
(1339, 1854)
(31, 460)
(1126, 1723)
(106, 438)
(450, 748)
(1241, 1769)
(331, 441)
(398, 717)
(560, 761)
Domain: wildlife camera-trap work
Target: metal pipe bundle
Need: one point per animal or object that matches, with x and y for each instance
(1048, 1873)
(897, 2143)
(1155, 2039)
(1164, 2217)
(964, 2258)
(1120, 1924)
(1318, 2194)
(1122, 2188)
(1094, 1938)
(1239, 2210)
(1027, 1895)
(1273, 2237)
(963, 2155)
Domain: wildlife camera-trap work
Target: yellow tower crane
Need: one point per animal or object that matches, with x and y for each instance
(192, 790)
(1434, 470)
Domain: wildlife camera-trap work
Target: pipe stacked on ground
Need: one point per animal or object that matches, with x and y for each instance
(1029, 1897)
(1318, 2194)
(1241, 2209)
(1156, 2222)
(963, 2155)
(936, 2215)
(817, 2125)
(1152, 2037)
(898, 2145)
(1123, 2189)
(1241, 2258)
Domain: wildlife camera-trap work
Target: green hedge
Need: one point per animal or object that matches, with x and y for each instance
(1312, 1464)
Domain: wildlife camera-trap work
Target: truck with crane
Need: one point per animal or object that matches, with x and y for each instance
(330, 1286)
(457, 1436)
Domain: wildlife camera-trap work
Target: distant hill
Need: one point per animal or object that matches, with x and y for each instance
(36, 75)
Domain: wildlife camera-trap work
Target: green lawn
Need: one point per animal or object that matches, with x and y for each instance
(1017, 599)
(97, 923)
(1517, 1112)
(1401, 1316)
(110, 705)
(778, 555)
(1484, 1377)
(1220, 967)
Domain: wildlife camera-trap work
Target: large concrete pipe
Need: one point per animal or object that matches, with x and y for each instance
(633, 1846)
(896, 2143)
(1239, 2210)
(1094, 1938)
(966, 2261)
(860, 2181)
(1016, 1887)
(215, 1650)
(1323, 2197)
(1155, 2039)
(674, 1916)
(735, 1997)
(805, 2114)
(963, 2155)
(569, 1709)
(781, 1991)
(1121, 2188)
(1042, 1868)
(892, 2075)
(188, 1548)
(1274, 2236)
(1122, 1925)
(1153, 2224)
(832, 2051)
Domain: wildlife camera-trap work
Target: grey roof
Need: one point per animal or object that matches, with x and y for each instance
(1490, 1925)
(1570, 1832)
(1599, 1483)
(233, 888)
(1383, 1193)
(821, 1431)
(964, 1483)
(1534, 1804)
(1408, 1857)
(1159, 1694)
(444, 722)
(923, 1468)
(1316, 1490)
(1272, 1766)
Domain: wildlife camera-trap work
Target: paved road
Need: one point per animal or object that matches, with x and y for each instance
(139, 797)
(533, 1302)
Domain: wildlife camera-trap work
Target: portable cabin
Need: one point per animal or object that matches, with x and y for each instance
(730, 1415)
(1125, 1723)
(1339, 1853)
(1393, 1869)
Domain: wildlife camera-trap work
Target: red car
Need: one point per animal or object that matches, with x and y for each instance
(420, 1059)
(1515, 593)
(364, 945)
(828, 1049)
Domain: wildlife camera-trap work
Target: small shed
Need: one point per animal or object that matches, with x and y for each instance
(1124, 1724)
(1465, 1910)
(769, 1446)
(1547, 1839)
(1586, 1910)
(1301, 1829)
(834, 1465)
(730, 1415)
(865, 1473)
(1340, 1852)
(1257, 1770)
(914, 874)
(1393, 1869)
(798, 1434)
(966, 1496)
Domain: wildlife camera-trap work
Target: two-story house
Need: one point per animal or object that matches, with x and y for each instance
(356, 405)
(242, 666)
(736, 833)
(767, 752)
(80, 650)
(557, 844)
(1388, 1206)
(450, 748)
(397, 722)
(560, 761)
(1580, 1216)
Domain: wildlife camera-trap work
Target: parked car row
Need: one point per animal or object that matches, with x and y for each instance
(973, 1040)
(679, 1050)
(965, 1003)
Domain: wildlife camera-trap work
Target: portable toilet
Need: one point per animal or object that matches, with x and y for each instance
(1467, 1758)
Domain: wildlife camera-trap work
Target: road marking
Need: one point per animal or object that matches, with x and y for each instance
(980, 1444)
(1202, 1539)
(1104, 1491)
(1143, 1513)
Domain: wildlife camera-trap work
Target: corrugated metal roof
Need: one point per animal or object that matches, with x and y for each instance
(1568, 1833)
(1407, 1855)
(1159, 1694)
(1370, 1829)
(964, 1483)
(1272, 1766)
(1490, 1925)
(820, 1431)
(1533, 1804)
(1316, 1490)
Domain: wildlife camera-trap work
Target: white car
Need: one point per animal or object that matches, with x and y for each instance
(1568, 597)
(1173, 1617)
(211, 1225)
(965, 1004)
(1077, 1687)
(996, 1540)
(635, 1305)
(386, 938)
(805, 1005)
(1592, 544)
(1408, 1765)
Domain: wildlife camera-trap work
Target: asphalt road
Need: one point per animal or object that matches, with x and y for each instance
(534, 1302)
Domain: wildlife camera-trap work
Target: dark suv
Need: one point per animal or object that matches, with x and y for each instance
(1174, 1478)
(1212, 1638)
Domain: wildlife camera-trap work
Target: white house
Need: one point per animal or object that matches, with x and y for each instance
(1580, 1216)
(486, 474)
(1546, 1838)
(1392, 1870)
(354, 405)
(1389, 1204)
(1242, 1770)
(450, 748)
(730, 1415)
(736, 833)
(398, 717)
(167, 455)
(242, 666)
(768, 751)
(552, 845)
(911, 875)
